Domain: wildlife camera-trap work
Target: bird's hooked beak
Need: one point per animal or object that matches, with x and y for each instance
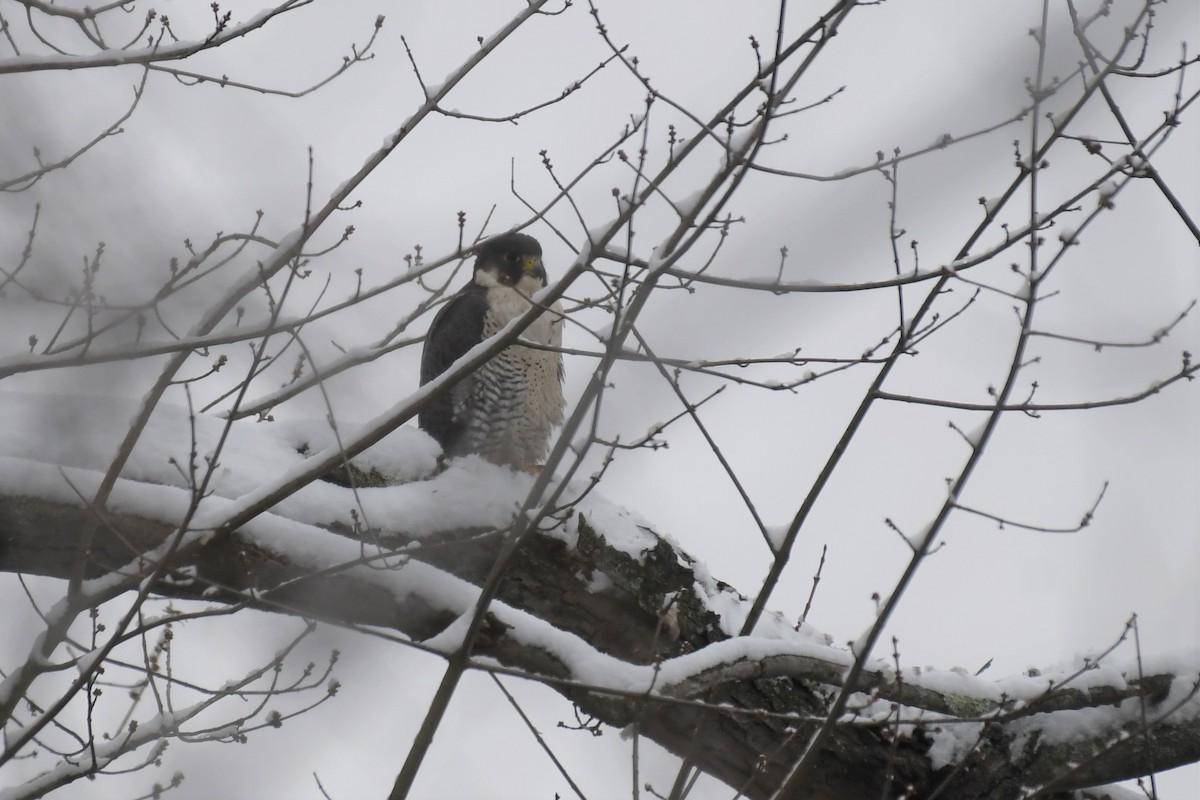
(531, 266)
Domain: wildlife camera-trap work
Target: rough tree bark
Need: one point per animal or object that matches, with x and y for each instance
(750, 748)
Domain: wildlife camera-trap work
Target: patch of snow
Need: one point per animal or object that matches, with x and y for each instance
(1114, 792)
(953, 681)
(730, 607)
(741, 141)
(597, 233)
(951, 742)
(776, 534)
(773, 625)
(406, 454)
(85, 662)
(57, 442)
(599, 582)
(689, 205)
(450, 638)
(621, 528)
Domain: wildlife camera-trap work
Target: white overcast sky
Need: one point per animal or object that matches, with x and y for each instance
(195, 161)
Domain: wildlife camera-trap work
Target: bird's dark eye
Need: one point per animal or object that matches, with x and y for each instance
(509, 257)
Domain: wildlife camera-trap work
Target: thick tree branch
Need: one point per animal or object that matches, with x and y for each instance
(775, 700)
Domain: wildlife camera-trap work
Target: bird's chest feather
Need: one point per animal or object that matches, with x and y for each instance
(506, 303)
(539, 370)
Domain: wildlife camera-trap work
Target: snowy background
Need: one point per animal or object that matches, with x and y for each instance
(194, 161)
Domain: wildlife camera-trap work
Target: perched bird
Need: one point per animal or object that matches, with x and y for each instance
(505, 409)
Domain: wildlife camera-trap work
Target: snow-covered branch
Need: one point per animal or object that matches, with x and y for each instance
(601, 608)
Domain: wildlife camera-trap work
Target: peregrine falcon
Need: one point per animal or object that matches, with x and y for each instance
(505, 409)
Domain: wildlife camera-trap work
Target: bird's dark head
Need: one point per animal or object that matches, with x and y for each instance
(510, 259)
